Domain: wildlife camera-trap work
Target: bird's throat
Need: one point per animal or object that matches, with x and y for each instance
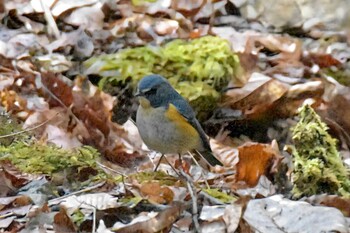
(144, 102)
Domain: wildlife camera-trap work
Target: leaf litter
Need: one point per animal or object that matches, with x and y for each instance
(70, 163)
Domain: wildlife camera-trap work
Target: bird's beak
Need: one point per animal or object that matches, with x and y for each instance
(138, 93)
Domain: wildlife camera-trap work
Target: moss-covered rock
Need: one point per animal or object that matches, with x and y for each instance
(198, 68)
(318, 167)
(33, 157)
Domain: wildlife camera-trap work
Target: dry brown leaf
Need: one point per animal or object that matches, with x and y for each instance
(14, 177)
(296, 95)
(188, 8)
(320, 59)
(62, 222)
(289, 49)
(257, 97)
(228, 155)
(256, 159)
(155, 193)
(59, 93)
(162, 222)
(341, 203)
(146, 27)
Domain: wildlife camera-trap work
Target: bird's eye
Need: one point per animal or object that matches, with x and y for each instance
(151, 91)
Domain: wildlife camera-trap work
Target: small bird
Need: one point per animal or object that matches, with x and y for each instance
(166, 121)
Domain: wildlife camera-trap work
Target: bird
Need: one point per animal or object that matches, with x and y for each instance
(166, 121)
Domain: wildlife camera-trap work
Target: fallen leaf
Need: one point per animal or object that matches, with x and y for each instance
(212, 213)
(276, 213)
(256, 159)
(341, 203)
(232, 216)
(320, 59)
(152, 222)
(88, 17)
(98, 201)
(155, 193)
(63, 223)
(257, 97)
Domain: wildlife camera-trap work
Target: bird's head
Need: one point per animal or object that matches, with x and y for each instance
(154, 90)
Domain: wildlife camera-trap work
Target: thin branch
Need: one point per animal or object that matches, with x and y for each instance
(50, 20)
(29, 129)
(56, 200)
(196, 162)
(108, 168)
(192, 190)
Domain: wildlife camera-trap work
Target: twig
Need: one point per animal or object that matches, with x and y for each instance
(54, 201)
(196, 162)
(50, 20)
(30, 129)
(79, 122)
(192, 190)
(6, 215)
(108, 168)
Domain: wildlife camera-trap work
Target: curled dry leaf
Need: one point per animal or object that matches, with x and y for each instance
(296, 95)
(156, 193)
(256, 97)
(288, 49)
(63, 223)
(256, 159)
(228, 155)
(14, 178)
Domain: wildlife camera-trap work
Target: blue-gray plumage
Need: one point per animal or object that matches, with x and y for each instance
(166, 121)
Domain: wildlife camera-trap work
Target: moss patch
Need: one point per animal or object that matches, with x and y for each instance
(162, 177)
(33, 157)
(223, 197)
(318, 167)
(198, 69)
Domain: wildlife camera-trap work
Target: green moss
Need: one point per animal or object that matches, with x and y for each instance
(141, 2)
(8, 126)
(318, 167)
(223, 197)
(162, 177)
(341, 75)
(33, 157)
(198, 68)
(130, 202)
(78, 217)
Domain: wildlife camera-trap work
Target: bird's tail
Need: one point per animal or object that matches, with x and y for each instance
(210, 158)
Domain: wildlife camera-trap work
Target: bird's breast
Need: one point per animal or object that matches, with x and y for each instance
(166, 130)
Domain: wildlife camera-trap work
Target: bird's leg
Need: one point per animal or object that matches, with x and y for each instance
(156, 168)
(180, 160)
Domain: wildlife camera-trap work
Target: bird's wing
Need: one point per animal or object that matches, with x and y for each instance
(186, 111)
